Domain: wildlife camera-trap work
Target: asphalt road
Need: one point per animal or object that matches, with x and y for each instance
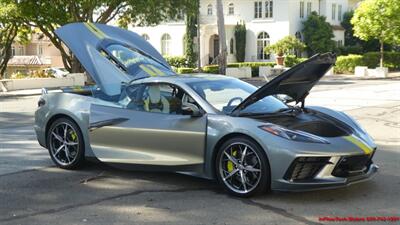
(33, 191)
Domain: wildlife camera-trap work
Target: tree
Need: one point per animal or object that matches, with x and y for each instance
(48, 15)
(8, 33)
(378, 19)
(349, 38)
(240, 41)
(353, 44)
(222, 39)
(318, 34)
(285, 46)
(191, 33)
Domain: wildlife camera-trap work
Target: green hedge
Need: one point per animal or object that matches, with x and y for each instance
(185, 70)
(211, 69)
(292, 60)
(177, 61)
(391, 60)
(347, 64)
(253, 65)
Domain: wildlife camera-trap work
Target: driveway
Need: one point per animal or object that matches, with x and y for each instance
(32, 191)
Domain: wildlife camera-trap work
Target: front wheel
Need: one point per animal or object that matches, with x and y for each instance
(65, 144)
(242, 167)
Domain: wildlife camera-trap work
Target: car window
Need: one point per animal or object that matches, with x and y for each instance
(226, 94)
(157, 98)
(136, 63)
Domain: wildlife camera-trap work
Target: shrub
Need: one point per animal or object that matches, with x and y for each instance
(240, 41)
(253, 65)
(183, 70)
(291, 60)
(19, 75)
(211, 69)
(177, 61)
(346, 64)
(390, 60)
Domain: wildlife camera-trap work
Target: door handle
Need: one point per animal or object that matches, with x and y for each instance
(103, 123)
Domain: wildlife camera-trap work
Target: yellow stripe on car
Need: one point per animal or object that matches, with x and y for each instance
(148, 70)
(100, 34)
(366, 149)
(155, 69)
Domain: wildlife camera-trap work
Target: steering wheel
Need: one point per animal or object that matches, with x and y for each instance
(234, 99)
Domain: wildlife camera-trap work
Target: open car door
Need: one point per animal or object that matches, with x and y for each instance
(120, 135)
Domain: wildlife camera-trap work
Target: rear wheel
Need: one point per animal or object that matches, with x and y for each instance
(242, 167)
(65, 144)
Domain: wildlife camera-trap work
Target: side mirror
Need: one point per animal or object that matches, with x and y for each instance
(191, 109)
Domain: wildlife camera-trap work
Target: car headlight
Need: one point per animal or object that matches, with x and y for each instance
(294, 135)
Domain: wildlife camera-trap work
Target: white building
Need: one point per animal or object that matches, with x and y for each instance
(267, 21)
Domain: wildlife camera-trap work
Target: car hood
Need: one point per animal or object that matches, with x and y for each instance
(87, 40)
(295, 82)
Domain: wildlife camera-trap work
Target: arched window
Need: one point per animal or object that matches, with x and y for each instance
(231, 46)
(165, 44)
(262, 42)
(209, 9)
(231, 9)
(145, 37)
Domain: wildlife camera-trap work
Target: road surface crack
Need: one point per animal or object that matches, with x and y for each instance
(279, 211)
(94, 202)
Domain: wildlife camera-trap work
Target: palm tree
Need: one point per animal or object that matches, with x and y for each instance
(222, 39)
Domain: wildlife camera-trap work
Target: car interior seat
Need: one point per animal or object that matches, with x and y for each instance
(155, 102)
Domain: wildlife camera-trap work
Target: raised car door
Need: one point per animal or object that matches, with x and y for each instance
(120, 135)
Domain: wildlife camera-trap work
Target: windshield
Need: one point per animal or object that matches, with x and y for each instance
(226, 94)
(137, 64)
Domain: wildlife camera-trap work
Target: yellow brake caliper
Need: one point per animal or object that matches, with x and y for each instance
(73, 135)
(229, 164)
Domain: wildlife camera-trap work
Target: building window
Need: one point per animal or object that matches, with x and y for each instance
(231, 9)
(13, 51)
(209, 10)
(301, 9)
(339, 11)
(231, 46)
(309, 7)
(40, 49)
(145, 37)
(333, 11)
(165, 44)
(257, 10)
(21, 50)
(268, 9)
(262, 42)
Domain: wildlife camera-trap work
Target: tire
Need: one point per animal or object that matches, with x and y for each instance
(254, 170)
(66, 148)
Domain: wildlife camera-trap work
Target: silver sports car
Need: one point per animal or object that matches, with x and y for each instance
(140, 114)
